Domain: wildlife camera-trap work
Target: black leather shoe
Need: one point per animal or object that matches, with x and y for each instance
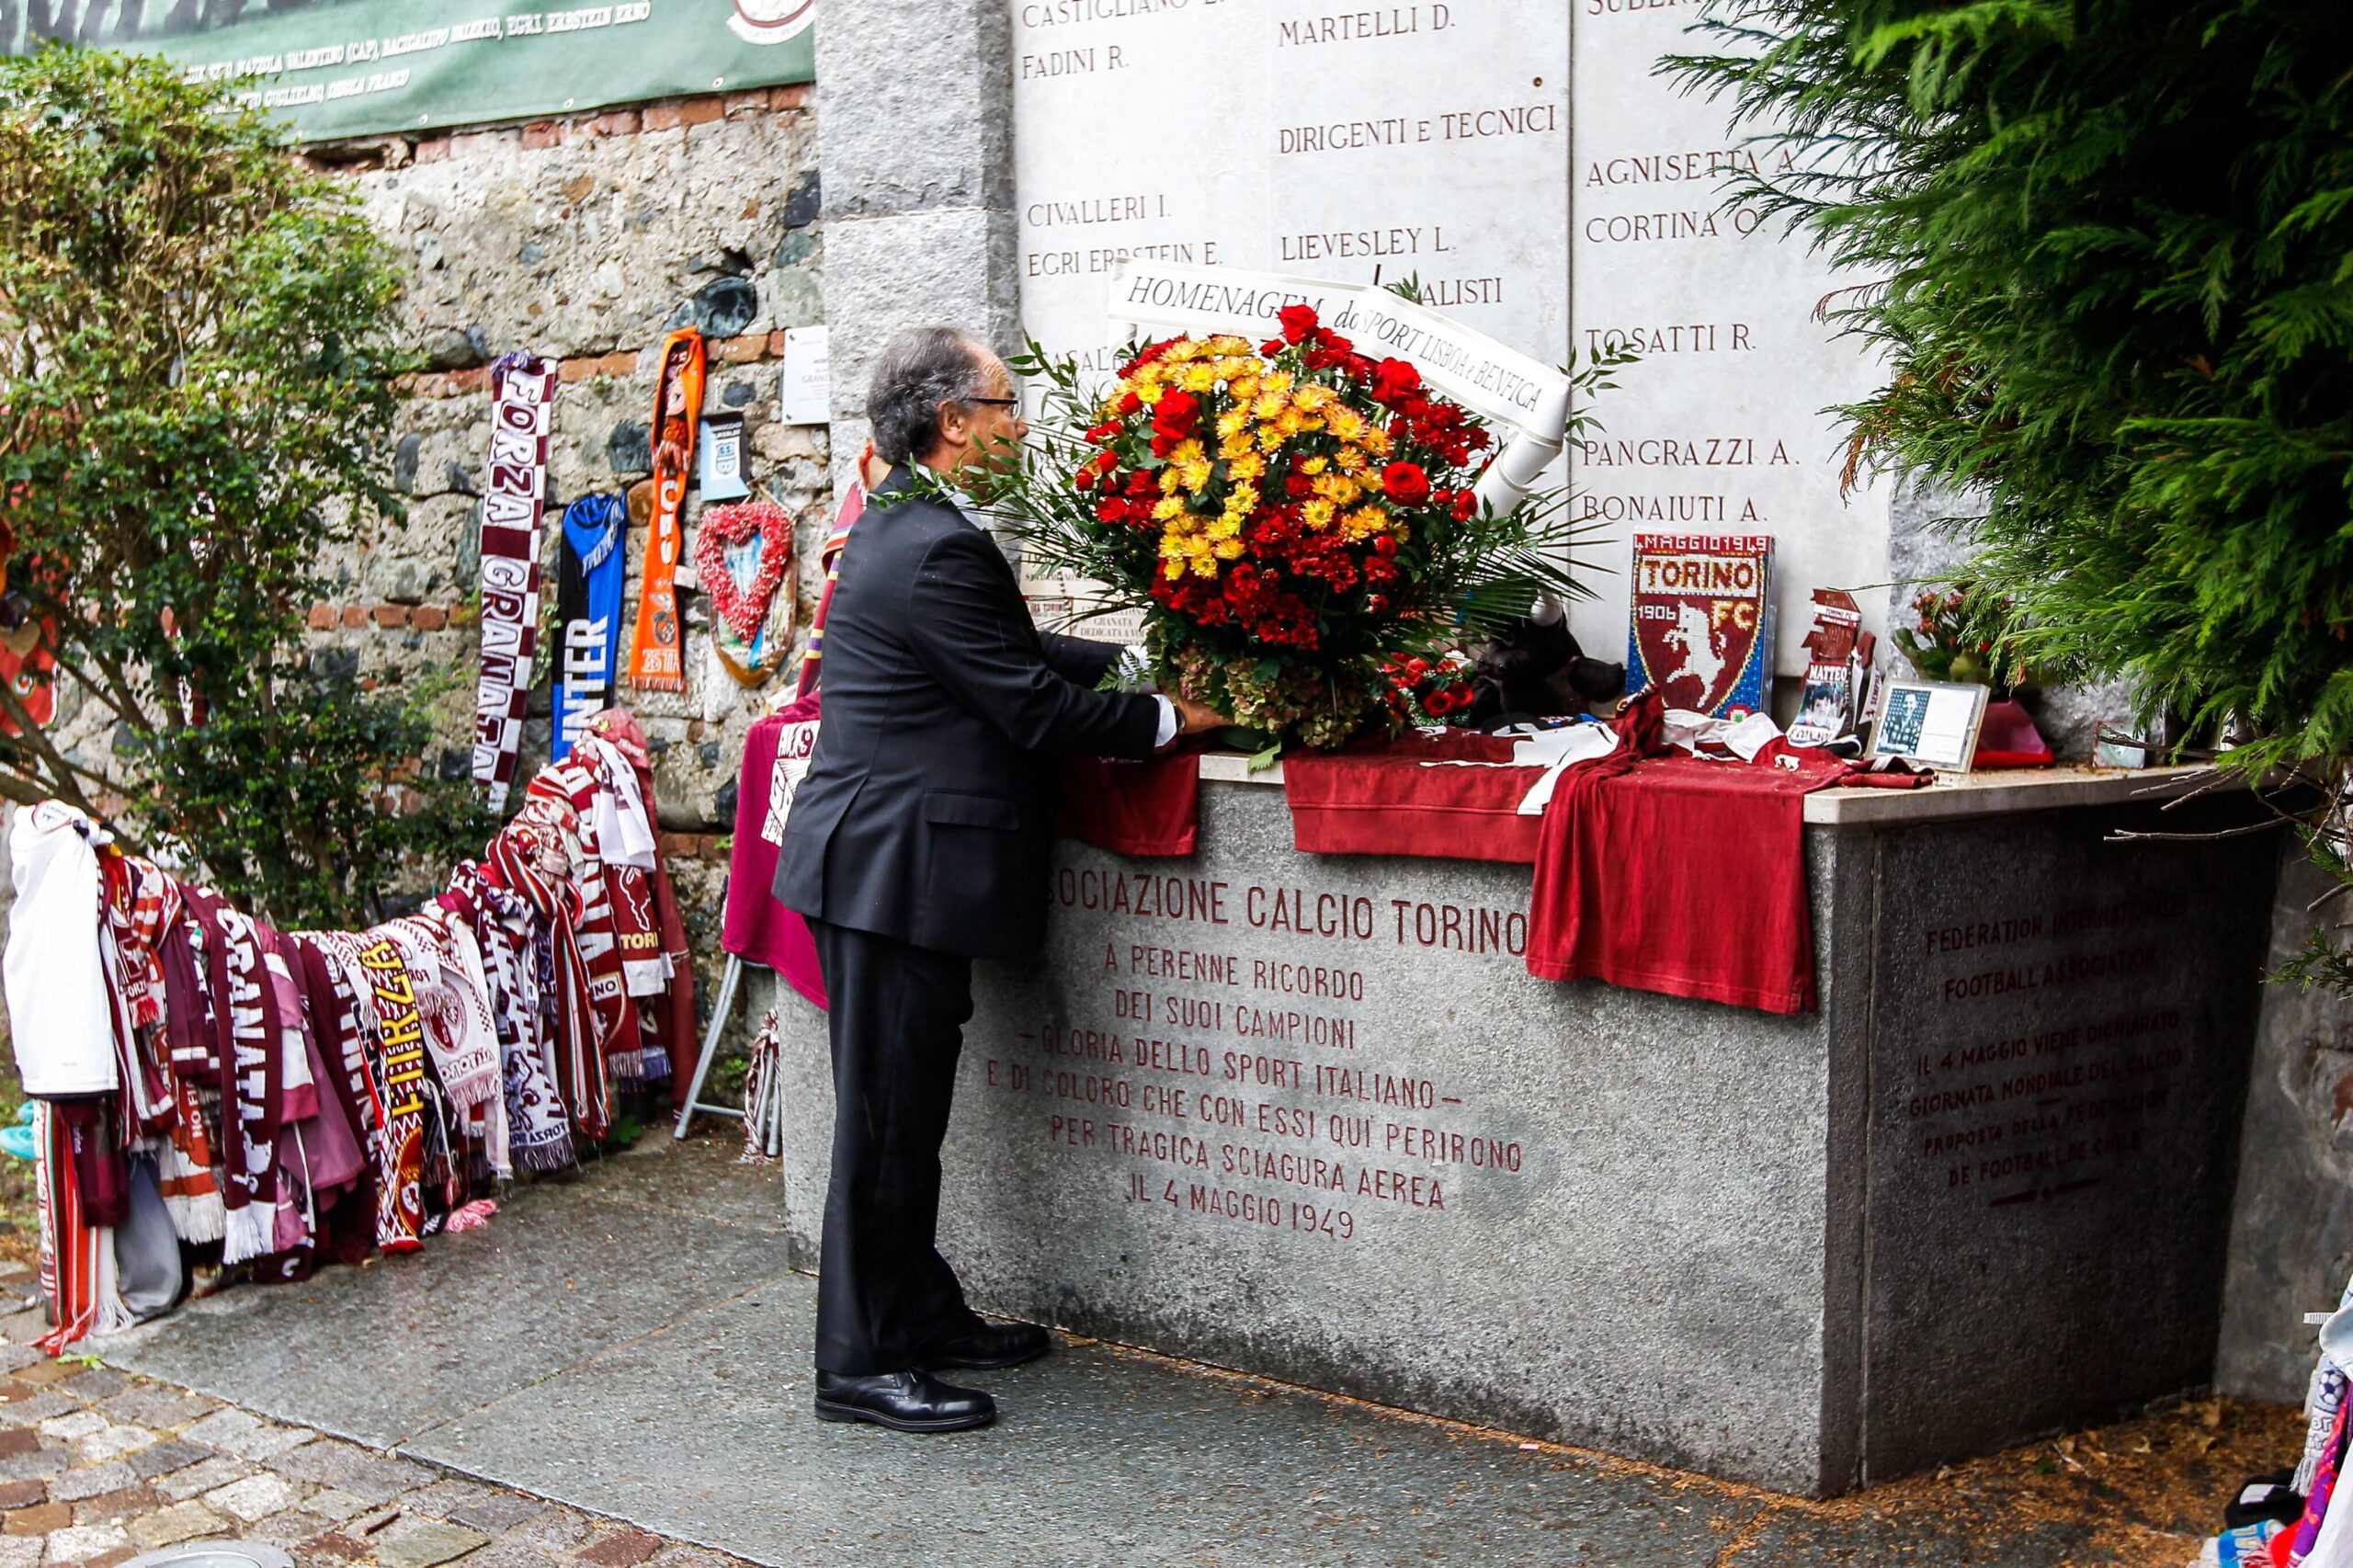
(912, 1400)
(987, 1345)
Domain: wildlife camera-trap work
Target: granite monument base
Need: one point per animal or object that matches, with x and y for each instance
(1310, 1117)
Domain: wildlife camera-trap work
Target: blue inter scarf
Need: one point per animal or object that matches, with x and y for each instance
(588, 613)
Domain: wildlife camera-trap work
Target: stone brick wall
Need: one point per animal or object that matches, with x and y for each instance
(586, 240)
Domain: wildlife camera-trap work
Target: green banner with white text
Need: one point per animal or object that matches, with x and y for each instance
(336, 68)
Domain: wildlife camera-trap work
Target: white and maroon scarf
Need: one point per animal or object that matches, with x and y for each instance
(530, 858)
(510, 936)
(522, 403)
(248, 1048)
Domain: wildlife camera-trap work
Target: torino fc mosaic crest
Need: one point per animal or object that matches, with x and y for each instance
(1703, 620)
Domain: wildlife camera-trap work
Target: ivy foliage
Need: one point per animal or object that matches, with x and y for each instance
(2106, 248)
(196, 345)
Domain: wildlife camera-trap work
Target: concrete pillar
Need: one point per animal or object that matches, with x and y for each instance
(916, 152)
(2291, 1230)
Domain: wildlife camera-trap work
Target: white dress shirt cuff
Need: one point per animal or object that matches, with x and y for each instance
(1167, 722)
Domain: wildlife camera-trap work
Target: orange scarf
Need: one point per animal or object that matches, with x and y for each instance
(658, 653)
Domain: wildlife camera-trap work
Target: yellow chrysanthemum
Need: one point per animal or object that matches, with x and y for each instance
(1364, 522)
(1316, 397)
(1351, 460)
(1317, 514)
(1349, 425)
(1315, 465)
(1167, 506)
(1245, 467)
(1232, 422)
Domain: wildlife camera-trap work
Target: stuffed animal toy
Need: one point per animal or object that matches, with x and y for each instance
(1533, 669)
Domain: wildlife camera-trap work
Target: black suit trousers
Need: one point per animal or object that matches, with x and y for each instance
(896, 1016)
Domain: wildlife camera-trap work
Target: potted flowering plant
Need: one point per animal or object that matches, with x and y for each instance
(1291, 517)
(1952, 638)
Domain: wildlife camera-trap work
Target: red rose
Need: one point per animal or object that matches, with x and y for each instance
(1129, 404)
(1384, 544)
(1405, 484)
(1395, 379)
(1466, 505)
(1298, 322)
(1176, 415)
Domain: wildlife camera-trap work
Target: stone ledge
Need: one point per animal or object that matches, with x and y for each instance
(1999, 793)
(534, 135)
(388, 616)
(1951, 796)
(744, 350)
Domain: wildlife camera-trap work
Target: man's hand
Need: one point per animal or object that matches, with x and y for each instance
(1194, 718)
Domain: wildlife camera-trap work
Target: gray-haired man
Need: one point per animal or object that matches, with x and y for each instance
(918, 842)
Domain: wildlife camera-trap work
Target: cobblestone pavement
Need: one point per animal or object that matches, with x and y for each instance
(98, 1467)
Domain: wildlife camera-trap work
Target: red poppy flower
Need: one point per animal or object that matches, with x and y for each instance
(1405, 484)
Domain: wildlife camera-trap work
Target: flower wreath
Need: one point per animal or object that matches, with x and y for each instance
(743, 609)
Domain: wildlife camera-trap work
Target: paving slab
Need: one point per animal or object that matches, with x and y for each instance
(631, 1344)
(703, 1433)
(377, 1354)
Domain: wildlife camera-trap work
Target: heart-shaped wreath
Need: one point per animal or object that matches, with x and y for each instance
(743, 609)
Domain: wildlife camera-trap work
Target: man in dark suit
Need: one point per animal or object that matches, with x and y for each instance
(917, 842)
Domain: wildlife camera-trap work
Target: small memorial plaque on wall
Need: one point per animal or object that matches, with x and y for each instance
(804, 398)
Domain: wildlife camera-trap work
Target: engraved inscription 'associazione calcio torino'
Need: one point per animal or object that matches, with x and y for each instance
(1252, 1087)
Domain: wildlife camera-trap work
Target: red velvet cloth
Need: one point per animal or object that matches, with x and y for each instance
(1681, 876)
(1380, 800)
(1149, 808)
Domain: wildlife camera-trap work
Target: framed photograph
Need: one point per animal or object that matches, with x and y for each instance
(1932, 722)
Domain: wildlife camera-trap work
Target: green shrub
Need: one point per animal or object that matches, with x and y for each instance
(195, 355)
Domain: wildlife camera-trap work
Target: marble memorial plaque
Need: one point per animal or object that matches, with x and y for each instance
(1720, 428)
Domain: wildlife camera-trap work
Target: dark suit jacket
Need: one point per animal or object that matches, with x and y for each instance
(927, 811)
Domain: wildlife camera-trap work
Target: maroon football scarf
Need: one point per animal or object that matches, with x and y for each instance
(568, 786)
(514, 861)
(334, 1015)
(398, 1071)
(246, 1037)
(522, 401)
